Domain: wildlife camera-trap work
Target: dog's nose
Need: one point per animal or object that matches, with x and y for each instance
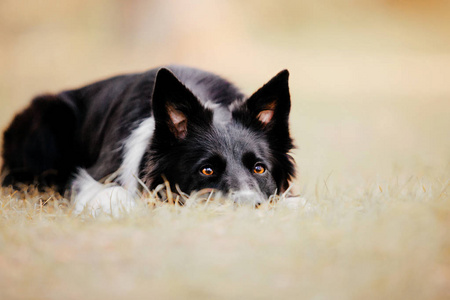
(247, 197)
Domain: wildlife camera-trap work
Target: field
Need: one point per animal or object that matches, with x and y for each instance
(383, 236)
(370, 118)
(367, 241)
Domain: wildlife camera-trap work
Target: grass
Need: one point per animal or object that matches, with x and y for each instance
(352, 242)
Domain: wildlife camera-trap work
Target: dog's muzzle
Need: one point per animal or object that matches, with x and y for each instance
(247, 197)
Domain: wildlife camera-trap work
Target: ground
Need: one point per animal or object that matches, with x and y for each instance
(342, 242)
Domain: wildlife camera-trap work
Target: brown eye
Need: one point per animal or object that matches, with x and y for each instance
(208, 171)
(259, 169)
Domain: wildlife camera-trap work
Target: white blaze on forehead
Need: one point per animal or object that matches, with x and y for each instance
(221, 114)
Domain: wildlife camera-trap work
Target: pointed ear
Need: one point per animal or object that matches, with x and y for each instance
(174, 106)
(271, 103)
(268, 110)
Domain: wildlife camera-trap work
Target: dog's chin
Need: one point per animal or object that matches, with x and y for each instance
(247, 197)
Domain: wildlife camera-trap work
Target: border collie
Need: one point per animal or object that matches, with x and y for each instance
(185, 125)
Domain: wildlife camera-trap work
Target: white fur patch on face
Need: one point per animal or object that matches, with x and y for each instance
(221, 114)
(135, 147)
(97, 198)
(247, 197)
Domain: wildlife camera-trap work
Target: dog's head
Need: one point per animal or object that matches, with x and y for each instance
(241, 149)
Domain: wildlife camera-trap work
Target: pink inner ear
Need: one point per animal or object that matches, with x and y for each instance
(265, 116)
(179, 123)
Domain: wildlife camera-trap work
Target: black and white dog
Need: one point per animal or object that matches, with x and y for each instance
(187, 125)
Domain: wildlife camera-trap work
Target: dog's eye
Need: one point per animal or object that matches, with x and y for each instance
(259, 169)
(208, 171)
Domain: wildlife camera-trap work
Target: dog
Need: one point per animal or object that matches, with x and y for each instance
(184, 125)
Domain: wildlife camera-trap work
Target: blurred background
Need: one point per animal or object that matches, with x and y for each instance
(370, 79)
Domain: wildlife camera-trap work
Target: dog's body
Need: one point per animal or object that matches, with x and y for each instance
(193, 127)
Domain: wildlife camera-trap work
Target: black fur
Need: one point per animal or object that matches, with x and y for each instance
(219, 128)
(40, 141)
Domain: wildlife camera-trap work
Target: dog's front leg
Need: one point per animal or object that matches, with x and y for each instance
(96, 198)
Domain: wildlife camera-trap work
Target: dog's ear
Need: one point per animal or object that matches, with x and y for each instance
(175, 108)
(271, 104)
(268, 110)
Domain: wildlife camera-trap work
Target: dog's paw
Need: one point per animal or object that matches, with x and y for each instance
(112, 201)
(95, 198)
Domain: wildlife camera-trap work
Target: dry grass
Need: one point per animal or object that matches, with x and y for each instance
(353, 242)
